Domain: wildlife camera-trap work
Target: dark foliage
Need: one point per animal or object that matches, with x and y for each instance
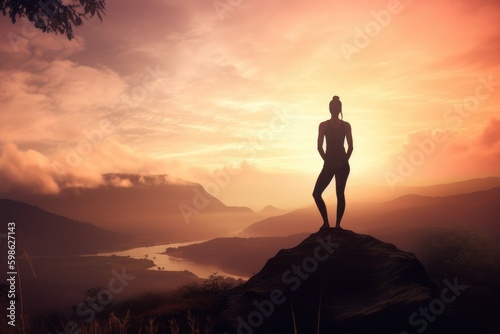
(53, 16)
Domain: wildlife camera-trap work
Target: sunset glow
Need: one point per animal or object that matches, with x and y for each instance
(233, 95)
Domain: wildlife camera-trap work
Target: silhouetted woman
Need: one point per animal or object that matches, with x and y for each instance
(336, 160)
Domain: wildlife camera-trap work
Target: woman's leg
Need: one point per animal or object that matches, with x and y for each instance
(340, 182)
(324, 179)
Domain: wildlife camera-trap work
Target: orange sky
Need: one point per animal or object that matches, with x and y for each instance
(232, 97)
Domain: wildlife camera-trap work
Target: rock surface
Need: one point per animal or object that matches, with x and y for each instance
(337, 281)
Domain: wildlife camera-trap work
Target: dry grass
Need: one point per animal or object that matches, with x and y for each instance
(186, 310)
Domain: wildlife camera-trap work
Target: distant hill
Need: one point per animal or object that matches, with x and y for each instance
(157, 208)
(453, 188)
(479, 210)
(365, 193)
(43, 233)
(270, 211)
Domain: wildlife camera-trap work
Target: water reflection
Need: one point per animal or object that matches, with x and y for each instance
(170, 263)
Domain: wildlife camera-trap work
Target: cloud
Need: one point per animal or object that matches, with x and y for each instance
(224, 79)
(26, 171)
(73, 165)
(491, 134)
(119, 182)
(141, 180)
(481, 55)
(31, 171)
(54, 103)
(22, 45)
(445, 156)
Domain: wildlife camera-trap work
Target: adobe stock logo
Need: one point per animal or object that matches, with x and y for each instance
(292, 278)
(221, 179)
(425, 315)
(92, 305)
(222, 7)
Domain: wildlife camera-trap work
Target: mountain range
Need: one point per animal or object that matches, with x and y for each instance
(41, 233)
(154, 209)
(478, 210)
(142, 210)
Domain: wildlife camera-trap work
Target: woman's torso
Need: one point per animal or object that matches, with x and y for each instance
(335, 137)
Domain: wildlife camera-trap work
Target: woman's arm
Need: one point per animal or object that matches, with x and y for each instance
(348, 135)
(321, 137)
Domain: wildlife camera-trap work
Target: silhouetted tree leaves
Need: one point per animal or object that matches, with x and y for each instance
(53, 16)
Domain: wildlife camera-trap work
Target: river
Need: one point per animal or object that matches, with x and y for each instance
(171, 263)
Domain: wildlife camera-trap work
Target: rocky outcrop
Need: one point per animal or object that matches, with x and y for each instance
(337, 281)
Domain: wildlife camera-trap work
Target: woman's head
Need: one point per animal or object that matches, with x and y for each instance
(335, 106)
